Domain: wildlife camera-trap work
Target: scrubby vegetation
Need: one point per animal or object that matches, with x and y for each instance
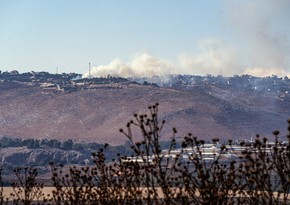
(36, 152)
(46, 143)
(259, 175)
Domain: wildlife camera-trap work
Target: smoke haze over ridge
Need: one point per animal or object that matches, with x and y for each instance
(142, 65)
(262, 48)
(266, 44)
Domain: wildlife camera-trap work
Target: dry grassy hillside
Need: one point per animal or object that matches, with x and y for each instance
(97, 114)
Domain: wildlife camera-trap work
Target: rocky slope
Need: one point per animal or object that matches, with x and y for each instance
(95, 114)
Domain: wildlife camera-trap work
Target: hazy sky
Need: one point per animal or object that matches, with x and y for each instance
(146, 37)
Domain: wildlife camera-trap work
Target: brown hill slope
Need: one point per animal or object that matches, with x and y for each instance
(97, 114)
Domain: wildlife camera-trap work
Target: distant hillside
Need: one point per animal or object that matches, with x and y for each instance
(94, 112)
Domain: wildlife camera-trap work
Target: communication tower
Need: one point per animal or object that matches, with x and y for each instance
(89, 70)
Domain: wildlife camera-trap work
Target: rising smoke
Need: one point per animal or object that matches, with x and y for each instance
(214, 57)
(142, 65)
(263, 28)
(260, 28)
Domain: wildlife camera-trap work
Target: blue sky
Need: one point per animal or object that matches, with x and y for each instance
(127, 36)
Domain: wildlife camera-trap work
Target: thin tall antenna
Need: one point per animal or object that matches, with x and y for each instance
(89, 70)
(56, 70)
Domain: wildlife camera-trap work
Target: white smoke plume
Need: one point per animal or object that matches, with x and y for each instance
(263, 28)
(214, 57)
(143, 65)
(260, 46)
(265, 72)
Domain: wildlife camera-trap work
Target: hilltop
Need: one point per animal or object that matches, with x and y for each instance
(41, 105)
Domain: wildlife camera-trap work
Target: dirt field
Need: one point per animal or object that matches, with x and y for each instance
(47, 191)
